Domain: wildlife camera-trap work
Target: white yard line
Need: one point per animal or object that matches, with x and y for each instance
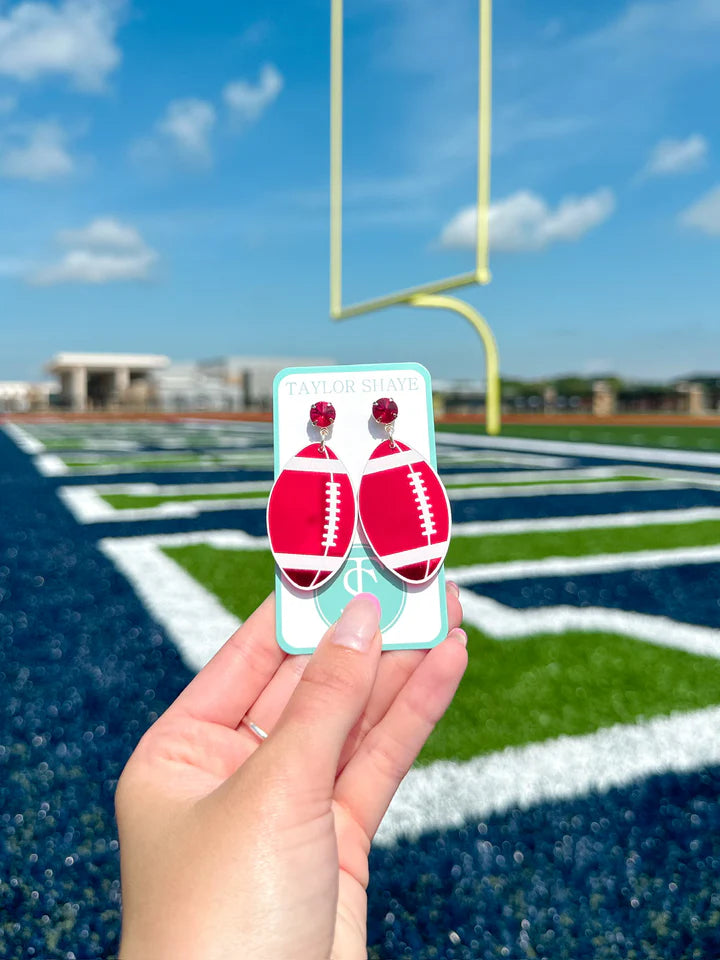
(24, 440)
(148, 489)
(578, 566)
(195, 620)
(50, 465)
(505, 623)
(562, 489)
(495, 476)
(446, 794)
(88, 506)
(604, 451)
(479, 528)
(450, 454)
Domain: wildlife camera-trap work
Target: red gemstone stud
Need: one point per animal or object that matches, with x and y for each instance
(322, 414)
(385, 410)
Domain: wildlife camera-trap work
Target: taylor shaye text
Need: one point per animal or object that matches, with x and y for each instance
(303, 388)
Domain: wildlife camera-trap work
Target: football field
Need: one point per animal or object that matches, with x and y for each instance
(565, 807)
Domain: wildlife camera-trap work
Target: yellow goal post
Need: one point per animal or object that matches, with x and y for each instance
(427, 294)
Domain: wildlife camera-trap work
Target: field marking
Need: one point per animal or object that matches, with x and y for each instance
(565, 489)
(505, 623)
(23, 439)
(447, 794)
(476, 476)
(88, 506)
(195, 620)
(578, 566)
(148, 489)
(495, 619)
(603, 451)
(448, 454)
(50, 465)
(475, 528)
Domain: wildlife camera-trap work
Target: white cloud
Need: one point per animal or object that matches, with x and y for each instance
(103, 233)
(188, 124)
(704, 215)
(677, 156)
(74, 37)
(184, 131)
(35, 152)
(524, 221)
(7, 105)
(105, 251)
(248, 101)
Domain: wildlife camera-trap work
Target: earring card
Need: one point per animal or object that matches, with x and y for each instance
(413, 616)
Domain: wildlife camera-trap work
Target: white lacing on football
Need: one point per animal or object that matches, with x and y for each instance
(423, 504)
(332, 513)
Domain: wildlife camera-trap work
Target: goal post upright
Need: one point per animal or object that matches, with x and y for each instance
(427, 294)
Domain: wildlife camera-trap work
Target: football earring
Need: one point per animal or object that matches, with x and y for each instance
(404, 509)
(311, 511)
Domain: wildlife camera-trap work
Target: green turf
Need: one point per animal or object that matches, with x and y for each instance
(515, 691)
(159, 463)
(579, 543)
(241, 579)
(147, 463)
(519, 691)
(680, 437)
(127, 501)
(538, 483)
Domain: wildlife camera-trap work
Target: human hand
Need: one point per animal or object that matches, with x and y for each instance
(232, 847)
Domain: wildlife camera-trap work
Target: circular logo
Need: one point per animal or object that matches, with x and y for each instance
(362, 573)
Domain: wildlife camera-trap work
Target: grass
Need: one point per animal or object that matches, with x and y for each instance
(520, 691)
(676, 437)
(514, 691)
(159, 463)
(549, 480)
(147, 462)
(127, 501)
(579, 543)
(241, 579)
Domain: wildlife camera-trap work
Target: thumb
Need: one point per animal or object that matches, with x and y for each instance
(331, 695)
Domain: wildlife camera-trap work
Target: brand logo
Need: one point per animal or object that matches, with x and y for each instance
(362, 573)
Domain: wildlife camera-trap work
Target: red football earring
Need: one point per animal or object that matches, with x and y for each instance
(404, 509)
(311, 512)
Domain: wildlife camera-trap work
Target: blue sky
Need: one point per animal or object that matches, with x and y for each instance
(164, 173)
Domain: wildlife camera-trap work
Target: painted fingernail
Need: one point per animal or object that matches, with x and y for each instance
(359, 622)
(459, 634)
(451, 585)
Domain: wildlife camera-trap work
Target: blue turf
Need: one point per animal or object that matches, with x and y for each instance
(632, 873)
(688, 593)
(85, 671)
(586, 504)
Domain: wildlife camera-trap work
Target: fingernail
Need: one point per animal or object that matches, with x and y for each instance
(457, 633)
(451, 585)
(359, 622)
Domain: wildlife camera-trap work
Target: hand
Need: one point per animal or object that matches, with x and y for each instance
(236, 848)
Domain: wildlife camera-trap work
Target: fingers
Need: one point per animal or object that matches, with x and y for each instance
(224, 689)
(268, 707)
(396, 667)
(369, 781)
(454, 607)
(331, 695)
